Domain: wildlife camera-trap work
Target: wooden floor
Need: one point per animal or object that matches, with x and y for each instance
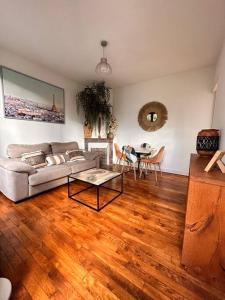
(54, 248)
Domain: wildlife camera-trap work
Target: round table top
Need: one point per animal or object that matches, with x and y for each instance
(142, 150)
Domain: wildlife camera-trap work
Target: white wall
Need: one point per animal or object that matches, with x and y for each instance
(19, 131)
(187, 97)
(219, 111)
(189, 102)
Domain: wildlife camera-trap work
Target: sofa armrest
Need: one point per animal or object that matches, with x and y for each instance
(14, 185)
(16, 166)
(90, 155)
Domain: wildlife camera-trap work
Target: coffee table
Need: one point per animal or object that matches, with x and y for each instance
(96, 178)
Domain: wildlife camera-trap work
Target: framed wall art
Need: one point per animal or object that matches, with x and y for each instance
(28, 98)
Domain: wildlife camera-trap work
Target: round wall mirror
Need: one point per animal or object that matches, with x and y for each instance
(152, 116)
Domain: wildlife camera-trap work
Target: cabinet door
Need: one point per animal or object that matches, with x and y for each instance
(202, 226)
(221, 256)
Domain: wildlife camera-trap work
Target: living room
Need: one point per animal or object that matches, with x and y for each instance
(115, 206)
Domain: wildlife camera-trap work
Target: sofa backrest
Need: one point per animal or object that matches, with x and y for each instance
(15, 150)
(63, 147)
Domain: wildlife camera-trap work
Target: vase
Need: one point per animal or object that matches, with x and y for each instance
(87, 131)
(208, 142)
(110, 135)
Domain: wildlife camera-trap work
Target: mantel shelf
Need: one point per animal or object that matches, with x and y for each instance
(98, 140)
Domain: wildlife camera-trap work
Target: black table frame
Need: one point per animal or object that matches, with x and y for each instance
(98, 208)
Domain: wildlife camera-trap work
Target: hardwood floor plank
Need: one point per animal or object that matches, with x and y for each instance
(54, 248)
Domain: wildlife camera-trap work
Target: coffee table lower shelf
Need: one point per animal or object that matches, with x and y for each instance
(98, 207)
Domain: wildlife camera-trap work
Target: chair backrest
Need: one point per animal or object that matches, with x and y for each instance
(159, 156)
(118, 151)
(131, 155)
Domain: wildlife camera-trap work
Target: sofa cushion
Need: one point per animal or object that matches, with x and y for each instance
(90, 155)
(48, 174)
(63, 147)
(78, 166)
(16, 150)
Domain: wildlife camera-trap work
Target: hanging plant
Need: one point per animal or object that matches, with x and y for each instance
(94, 101)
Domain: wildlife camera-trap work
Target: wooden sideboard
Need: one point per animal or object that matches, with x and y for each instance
(204, 236)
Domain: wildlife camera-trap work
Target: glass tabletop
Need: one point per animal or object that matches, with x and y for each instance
(95, 176)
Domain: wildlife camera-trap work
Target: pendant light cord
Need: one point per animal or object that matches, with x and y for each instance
(103, 51)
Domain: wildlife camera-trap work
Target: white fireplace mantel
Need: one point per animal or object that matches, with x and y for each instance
(101, 143)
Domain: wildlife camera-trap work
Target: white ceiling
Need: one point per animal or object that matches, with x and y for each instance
(147, 38)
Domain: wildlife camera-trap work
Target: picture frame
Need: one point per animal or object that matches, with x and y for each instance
(216, 160)
(31, 99)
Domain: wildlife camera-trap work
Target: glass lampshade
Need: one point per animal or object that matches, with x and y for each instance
(103, 67)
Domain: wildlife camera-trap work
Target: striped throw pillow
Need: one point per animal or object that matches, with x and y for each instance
(74, 153)
(77, 158)
(35, 159)
(57, 159)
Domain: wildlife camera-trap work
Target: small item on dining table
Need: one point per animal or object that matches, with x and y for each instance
(143, 152)
(145, 145)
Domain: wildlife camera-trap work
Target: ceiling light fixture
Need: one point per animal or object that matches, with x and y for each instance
(103, 67)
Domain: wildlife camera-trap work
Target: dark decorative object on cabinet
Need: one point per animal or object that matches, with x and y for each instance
(208, 142)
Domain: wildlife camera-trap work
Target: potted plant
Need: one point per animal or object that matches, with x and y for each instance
(94, 101)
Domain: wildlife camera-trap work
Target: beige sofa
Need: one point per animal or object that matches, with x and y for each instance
(19, 180)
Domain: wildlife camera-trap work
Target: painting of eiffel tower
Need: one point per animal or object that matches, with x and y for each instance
(54, 109)
(27, 98)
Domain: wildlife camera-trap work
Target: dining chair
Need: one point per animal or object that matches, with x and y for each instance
(146, 146)
(130, 157)
(118, 153)
(155, 160)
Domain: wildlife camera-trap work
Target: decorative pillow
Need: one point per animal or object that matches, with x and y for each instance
(77, 158)
(74, 153)
(66, 157)
(35, 159)
(55, 159)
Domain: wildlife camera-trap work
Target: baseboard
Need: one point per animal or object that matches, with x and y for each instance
(173, 171)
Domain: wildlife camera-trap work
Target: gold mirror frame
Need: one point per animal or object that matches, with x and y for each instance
(157, 108)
